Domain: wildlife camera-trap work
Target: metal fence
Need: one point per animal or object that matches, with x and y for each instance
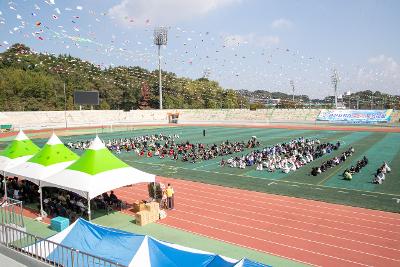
(41, 249)
(50, 252)
(11, 213)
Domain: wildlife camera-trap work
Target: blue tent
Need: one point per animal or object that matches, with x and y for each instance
(129, 249)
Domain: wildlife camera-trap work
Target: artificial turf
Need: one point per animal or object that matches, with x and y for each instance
(328, 186)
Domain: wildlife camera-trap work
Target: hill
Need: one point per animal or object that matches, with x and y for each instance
(31, 81)
(34, 81)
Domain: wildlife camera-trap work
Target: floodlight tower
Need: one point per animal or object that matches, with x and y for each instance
(160, 39)
(335, 80)
(292, 85)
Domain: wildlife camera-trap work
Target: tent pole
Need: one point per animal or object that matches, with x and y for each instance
(41, 200)
(5, 185)
(89, 212)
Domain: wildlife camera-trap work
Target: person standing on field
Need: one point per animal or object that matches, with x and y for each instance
(170, 197)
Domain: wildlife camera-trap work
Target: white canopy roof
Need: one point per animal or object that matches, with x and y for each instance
(18, 151)
(96, 172)
(52, 158)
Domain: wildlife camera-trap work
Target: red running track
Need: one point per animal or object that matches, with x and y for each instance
(309, 231)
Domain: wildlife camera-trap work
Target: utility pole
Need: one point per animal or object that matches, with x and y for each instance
(241, 101)
(384, 102)
(349, 95)
(207, 73)
(372, 101)
(358, 101)
(335, 80)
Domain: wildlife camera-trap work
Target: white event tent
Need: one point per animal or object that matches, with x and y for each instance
(95, 172)
(52, 158)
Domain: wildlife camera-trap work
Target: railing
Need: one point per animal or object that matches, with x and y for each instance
(41, 249)
(11, 212)
(49, 252)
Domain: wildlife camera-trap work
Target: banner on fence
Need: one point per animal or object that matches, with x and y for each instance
(355, 116)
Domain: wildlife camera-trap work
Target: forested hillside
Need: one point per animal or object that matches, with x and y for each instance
(33, 81)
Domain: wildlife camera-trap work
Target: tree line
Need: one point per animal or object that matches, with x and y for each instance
(35, 81)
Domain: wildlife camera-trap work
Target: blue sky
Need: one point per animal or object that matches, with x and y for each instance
(243, 44)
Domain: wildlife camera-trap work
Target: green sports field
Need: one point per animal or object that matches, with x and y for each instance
(328, 186)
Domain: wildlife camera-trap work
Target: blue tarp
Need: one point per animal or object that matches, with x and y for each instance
(132, 250)
(111, 244)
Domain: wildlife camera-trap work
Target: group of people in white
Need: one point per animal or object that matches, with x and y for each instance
(136, 143)
(286, 157)
(381, 173)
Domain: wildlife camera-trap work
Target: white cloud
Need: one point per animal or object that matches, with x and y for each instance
(388, 65)
(252, 39)
(282, 24)
(164, 12)
(382, 73)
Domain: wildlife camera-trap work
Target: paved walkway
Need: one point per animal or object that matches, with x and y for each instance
(8, 262)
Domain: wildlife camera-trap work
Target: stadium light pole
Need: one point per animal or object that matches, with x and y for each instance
(335, 80)
(292, 85)
(65, 107)
(160, 39)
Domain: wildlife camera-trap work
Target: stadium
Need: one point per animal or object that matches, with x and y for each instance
(115, 165)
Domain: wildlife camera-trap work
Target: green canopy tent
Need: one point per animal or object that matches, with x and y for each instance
(95, 172)
(52, 158)
(20, 150)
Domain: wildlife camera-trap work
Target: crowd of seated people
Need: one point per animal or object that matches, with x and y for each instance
(332, 162)
(107, 202)
(192, 152)
(195, 152)
(381, 173)
(127, 144)
(163, 146)
(348, 173)
(57, 202)
(23, 190)
(287, 157)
